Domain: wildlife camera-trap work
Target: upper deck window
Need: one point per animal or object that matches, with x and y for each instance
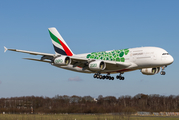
(165, 54)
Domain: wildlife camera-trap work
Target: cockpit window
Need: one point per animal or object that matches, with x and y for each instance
(165, 54)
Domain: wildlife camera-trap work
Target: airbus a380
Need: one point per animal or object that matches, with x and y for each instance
(147, 59)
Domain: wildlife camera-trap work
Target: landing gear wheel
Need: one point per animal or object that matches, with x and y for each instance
(162, 73)
(100, 76)
(120, 77)
(95, 75)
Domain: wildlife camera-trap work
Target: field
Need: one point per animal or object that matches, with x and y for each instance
(79, 117)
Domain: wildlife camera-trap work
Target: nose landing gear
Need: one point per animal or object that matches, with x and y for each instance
(163, 72)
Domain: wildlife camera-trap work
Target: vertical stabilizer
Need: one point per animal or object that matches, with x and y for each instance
(59, 44)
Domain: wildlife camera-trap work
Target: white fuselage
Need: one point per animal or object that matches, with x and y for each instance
(142, 57)
(147, 59)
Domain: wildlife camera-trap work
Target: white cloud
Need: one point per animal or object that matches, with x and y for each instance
(75, 79)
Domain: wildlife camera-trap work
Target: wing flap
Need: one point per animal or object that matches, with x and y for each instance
(37, 60)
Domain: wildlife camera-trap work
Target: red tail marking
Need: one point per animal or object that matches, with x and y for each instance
(68, 52)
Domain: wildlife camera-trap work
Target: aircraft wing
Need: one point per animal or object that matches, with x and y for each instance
(110, 65)
(44, 55)
(29, 52)
(75, 60)
(38, 60)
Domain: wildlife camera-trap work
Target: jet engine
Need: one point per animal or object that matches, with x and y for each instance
(62, 60)
(97, 66)
(150, 71)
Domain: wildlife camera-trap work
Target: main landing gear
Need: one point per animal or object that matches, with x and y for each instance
(120, 77)
(99, 76)
(163, 72)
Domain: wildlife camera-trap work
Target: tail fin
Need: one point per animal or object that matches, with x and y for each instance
(59, 44)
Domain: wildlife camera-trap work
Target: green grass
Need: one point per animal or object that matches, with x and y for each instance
(79, 117)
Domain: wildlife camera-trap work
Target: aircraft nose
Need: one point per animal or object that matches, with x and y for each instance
(170, 59)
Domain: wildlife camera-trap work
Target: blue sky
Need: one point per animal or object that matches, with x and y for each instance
(86, 26)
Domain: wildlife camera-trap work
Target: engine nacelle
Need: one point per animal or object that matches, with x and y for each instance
(150, 71)
(97, 66)
(62, 60)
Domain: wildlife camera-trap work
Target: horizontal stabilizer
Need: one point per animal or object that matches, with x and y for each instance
(37, 60)
(5, 49)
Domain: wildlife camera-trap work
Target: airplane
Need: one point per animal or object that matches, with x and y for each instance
(149, 60)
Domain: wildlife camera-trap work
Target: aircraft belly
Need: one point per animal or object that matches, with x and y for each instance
(113, 68)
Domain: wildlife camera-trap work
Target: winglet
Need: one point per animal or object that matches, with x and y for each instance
(5, 49)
